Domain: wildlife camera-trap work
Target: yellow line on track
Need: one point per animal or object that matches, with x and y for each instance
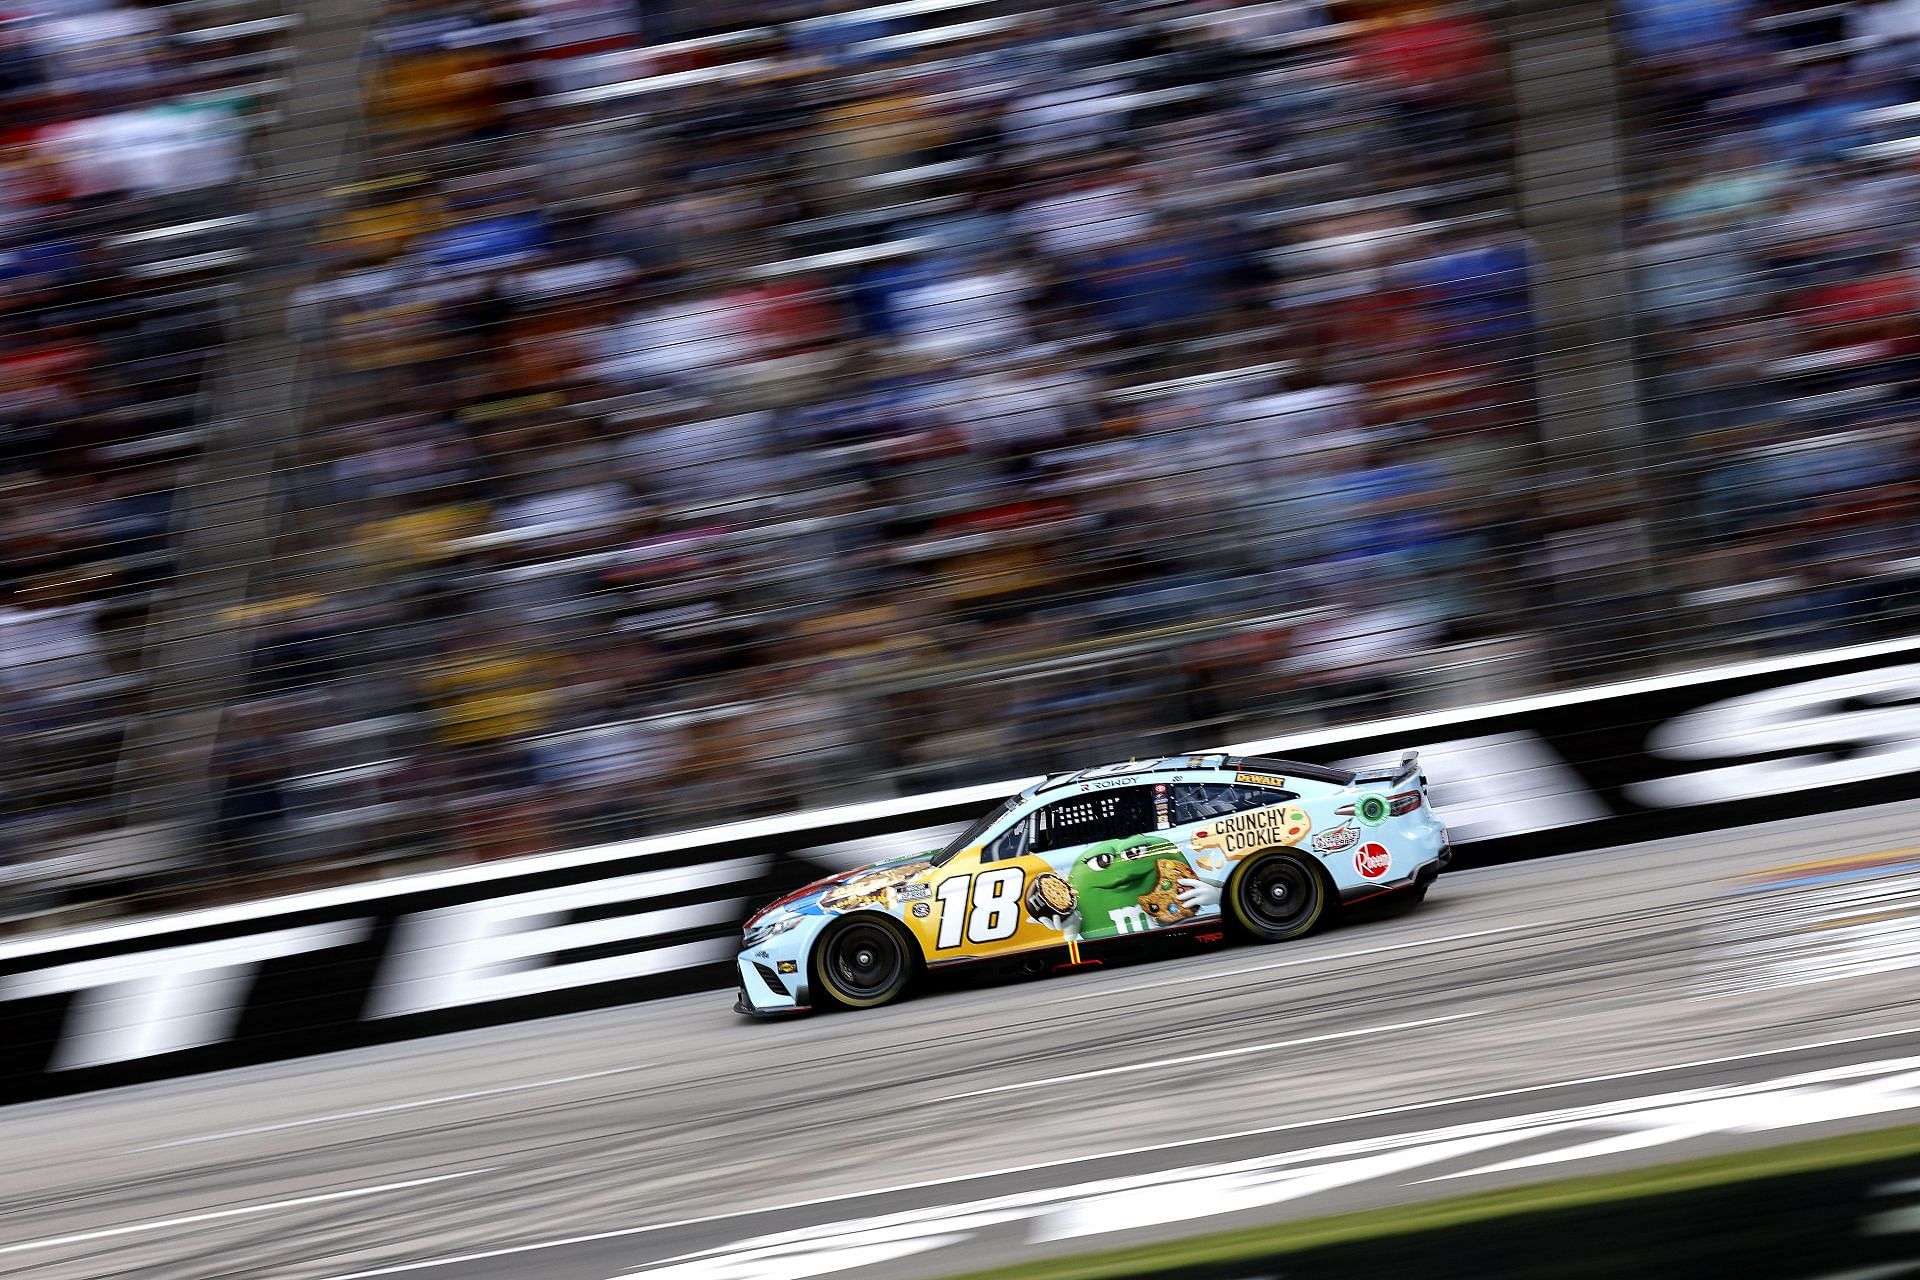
(1851, 861)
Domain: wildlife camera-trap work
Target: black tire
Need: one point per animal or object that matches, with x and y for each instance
(1276, 895)
(861, 962)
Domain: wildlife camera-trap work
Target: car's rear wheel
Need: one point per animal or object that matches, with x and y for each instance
(862, 963)
(1277, 895)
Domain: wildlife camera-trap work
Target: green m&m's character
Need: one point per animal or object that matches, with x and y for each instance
(1122, 886)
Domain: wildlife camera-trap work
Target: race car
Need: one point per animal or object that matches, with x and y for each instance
(1199, 848)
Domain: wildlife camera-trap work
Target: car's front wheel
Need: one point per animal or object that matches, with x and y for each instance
(1277, 895)
(862, 963)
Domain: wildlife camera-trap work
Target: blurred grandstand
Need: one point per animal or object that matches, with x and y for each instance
(571, 419)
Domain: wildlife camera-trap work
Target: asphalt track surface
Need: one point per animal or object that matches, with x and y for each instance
(1569, 1015)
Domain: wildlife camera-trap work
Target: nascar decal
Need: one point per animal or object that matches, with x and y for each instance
(1372, 860)
(1238, 834)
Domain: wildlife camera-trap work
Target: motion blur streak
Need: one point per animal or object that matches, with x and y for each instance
(432, 432)
(240, 1211)
(1590, 1024)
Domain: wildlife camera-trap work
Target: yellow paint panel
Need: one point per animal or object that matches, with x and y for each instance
(982, 931)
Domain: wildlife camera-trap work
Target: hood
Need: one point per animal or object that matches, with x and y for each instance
(862, 886)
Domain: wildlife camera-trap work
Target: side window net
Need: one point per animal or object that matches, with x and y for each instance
(1011, 843)
(1088, 819)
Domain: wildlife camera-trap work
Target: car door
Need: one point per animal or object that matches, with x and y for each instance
(1016, 891)
(1121, 872)
(976, 903)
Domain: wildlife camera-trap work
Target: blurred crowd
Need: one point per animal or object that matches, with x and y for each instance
(123, 129)
(1775, 167)
(834, 405)
(716, 410)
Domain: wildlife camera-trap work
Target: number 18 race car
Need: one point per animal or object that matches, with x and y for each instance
(1197, 847)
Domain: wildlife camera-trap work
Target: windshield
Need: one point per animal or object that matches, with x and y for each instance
(975, 833)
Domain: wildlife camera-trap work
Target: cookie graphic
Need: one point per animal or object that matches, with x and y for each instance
(869, 888)
(1163, 904)
(1049, 895)
(1115, 881)
(1294, 824)
(1238, 834)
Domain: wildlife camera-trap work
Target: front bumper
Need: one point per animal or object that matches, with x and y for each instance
(740, 1005)
(764, 990)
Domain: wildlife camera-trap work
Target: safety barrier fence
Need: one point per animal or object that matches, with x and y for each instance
(660, 916)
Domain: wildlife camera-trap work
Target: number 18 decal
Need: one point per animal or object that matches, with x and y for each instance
(996, 906)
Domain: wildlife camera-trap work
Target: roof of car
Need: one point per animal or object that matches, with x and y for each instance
(1201, 762)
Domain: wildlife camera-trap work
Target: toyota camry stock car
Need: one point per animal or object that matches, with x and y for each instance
(1200, 847)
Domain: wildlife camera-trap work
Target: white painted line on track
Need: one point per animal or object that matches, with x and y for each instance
(1182, 1195)
(242, 1211)
(1215, 1055)
(1297, 961)
(619, 1233)
(391, 1108)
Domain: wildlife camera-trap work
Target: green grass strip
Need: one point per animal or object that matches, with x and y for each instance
(1566, 1193)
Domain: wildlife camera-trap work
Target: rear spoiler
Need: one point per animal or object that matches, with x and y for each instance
(1390, 775)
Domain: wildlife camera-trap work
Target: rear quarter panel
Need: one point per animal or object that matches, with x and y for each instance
(1360, 856)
